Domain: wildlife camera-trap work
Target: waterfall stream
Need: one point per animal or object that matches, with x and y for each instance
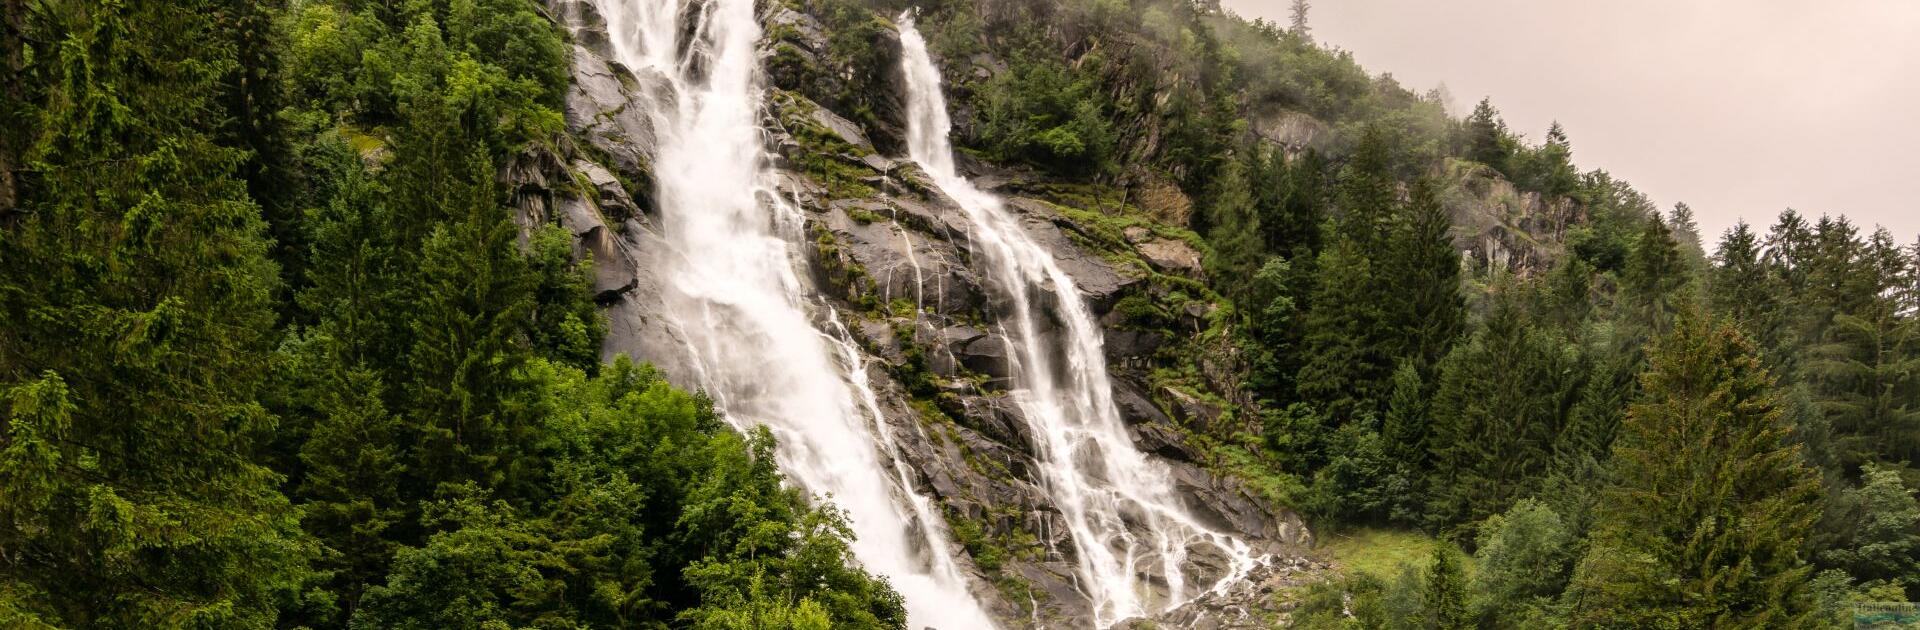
(729, 263)
(1121, 507)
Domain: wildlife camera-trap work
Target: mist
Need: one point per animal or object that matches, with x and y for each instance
(1740, 108)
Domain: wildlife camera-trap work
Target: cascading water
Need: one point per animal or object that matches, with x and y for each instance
(728, 261)
(1095, 476)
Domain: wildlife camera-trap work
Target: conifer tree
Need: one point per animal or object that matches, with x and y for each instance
(1428, 312)
(138, 320)
(1446, 591)
(1655, 274)
(1235, 235)
(467, 396)
(1487, 139)
(1741, 288)
(1704, 522)
(1501, 401)
(1686, 233)
(1349, 344)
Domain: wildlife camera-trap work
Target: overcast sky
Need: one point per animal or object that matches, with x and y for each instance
(1740, 108)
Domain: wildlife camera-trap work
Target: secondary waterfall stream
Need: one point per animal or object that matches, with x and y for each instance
(1120, 506)
(761, 345)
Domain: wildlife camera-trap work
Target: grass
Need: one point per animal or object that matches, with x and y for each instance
(1380, 552)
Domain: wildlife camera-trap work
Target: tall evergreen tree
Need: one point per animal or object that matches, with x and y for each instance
(1741, 287)
(1235, 233)
(1502, 399)
(1348, 345)
(1298, 19)
(1712, 537)
(1655, 275)
(1446, 591)
(1487, 140)
(138, 326)
(1428, 312)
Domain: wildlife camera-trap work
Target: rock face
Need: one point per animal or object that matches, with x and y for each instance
(891, 255)
(1499, 227)
(1296, 131)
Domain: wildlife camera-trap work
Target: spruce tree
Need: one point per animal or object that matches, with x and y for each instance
(1446, 591)
(1655, 274)
(1349, 340)
(1487, 139)
(1501, 402)
(1235, 233)
(467, 396)
(1741, 288)
(1428, 311)
(1704, 522)
(138, 323)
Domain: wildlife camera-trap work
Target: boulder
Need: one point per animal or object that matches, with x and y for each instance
(1171, 256)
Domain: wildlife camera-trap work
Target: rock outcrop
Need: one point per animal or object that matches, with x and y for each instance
(891, 255)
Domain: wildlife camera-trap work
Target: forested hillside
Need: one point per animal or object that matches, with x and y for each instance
(295, 332)
(1623, 429)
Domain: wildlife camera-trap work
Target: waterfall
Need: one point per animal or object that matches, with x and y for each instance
(729, 257)
(1122, 510)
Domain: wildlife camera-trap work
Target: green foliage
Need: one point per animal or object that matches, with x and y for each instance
(1885, 541)
(137, 304)
(1714, 537)
(1353, 601)
(1487, 140)
(1525, 558)
(1446, 591)
(1493, 433)
(1047, 114)
(1235, 234)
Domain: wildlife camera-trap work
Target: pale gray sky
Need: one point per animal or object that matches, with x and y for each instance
(1741, 108)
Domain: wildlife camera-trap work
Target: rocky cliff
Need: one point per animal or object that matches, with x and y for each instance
(891, 256)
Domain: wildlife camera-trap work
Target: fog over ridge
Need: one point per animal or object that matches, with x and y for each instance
(1740, 108)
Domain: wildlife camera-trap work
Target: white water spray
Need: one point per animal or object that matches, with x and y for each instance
(728, 261)
(1121, 507)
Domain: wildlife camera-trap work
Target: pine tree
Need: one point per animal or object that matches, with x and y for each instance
(1487, 139)
(351, 488)
(1299, 20)
(1655, 274)
(1407, 425)
(1235, 235)
(1741, 288)
(1428, 311)
(1551, 171)
(1687, 233)
(1704, 522)
(467, 396)
(138, 322)
(1350, 340)
(1345, 363)
(1501, 401)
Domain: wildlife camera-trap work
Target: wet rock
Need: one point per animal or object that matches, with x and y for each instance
(1162, 439)
(1126, 345)
(1134, 406)
(987, 354)
(1099, 283)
